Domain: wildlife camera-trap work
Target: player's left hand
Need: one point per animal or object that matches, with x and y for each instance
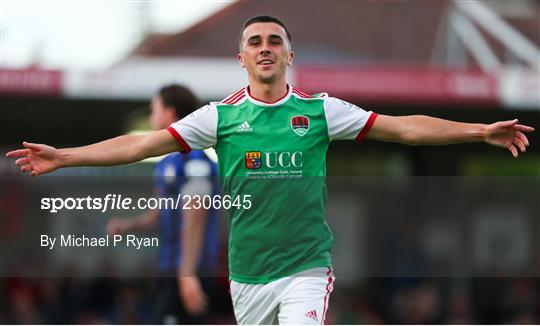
(192, 295)
(508, 134)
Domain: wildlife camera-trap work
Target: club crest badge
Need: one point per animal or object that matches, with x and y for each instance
(253, 160)
(300, 125)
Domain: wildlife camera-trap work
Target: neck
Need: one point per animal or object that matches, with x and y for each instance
(268, 92)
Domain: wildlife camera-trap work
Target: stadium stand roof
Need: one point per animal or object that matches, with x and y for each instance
(369, 32)
(321, 31)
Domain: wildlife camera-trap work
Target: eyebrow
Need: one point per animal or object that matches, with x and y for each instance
(272, 36)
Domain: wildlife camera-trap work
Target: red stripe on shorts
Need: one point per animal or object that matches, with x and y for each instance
(327, 294)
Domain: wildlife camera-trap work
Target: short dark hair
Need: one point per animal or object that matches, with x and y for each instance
(263, 19)
(180, 98)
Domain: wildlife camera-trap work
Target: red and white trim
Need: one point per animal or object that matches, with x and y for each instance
(329, 288)
(367, 127)
(240, 95)
(235, 98)
(185, 147)
(279, 101)
(300, 93)
(231, 96)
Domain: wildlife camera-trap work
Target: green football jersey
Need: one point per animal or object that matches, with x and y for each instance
(272, 160)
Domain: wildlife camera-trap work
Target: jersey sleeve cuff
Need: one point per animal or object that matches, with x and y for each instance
(185, 147)
(362, 134)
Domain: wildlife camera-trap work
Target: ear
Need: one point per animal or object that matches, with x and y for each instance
(240, 59)
(290, 59)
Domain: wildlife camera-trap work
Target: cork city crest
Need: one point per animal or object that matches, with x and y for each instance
(300, 124)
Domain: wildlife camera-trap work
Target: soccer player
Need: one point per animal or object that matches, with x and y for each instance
(271, 139)
(188, 238)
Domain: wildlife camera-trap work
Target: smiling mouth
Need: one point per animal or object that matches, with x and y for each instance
(265, 62)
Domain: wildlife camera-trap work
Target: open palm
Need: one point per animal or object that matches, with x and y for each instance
(36, 158)
(509, 135)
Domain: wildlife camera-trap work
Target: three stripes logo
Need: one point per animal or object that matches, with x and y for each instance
(244, 127)
(312, 314)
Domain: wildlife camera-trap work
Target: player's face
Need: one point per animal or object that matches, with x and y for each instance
(158, 114)
(265, 52)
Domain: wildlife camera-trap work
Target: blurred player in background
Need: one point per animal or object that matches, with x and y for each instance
(188, 237)
(279, 244)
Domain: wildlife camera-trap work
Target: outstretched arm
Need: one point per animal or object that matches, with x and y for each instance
(424, 130)
(40, 159)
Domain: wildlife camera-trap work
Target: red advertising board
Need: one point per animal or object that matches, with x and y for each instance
(30, 82)
(400, 85)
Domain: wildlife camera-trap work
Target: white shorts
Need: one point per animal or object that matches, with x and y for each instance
(298, 299)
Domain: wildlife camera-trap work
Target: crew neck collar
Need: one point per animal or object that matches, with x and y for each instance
(280, 101)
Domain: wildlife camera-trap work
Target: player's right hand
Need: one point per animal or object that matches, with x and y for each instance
(36, 159)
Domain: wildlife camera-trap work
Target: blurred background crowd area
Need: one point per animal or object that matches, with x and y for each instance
(423, 234)
(373, 301)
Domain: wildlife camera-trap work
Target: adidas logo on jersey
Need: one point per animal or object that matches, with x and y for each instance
(312, 314)
(244, 127)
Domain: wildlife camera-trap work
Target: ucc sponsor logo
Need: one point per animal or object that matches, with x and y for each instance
(255, 159)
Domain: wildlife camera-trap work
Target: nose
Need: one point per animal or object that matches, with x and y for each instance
(265, 49)
(265, 52)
